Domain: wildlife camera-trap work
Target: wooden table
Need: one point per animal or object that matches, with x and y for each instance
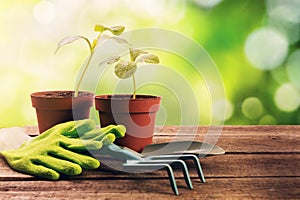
(261, 162)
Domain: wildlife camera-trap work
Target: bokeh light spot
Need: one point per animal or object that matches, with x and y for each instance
(287, 9)
(293, 68)
(266, 48)
(252, 108)
(287, 98)
(267, 120)
(207, 3)
(221, 106)
(44, 12)
(278, 21)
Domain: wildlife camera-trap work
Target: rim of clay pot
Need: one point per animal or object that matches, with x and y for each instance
(48, 94)
(123, 103)
(120, 97)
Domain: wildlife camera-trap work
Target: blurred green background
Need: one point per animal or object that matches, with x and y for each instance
(255, 45)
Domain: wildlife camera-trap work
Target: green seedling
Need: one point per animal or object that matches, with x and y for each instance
(127, 69)
(115, 30)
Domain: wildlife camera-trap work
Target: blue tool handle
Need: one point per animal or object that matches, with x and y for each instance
(120, 153)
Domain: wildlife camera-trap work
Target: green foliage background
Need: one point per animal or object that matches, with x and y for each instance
(29, 37)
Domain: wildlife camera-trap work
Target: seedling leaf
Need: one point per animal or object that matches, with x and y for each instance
(134, 53)
(117, 39)
(149, 58)
(69, 40)
(100, 28)
(116, 30)
(110, 60)
(125, 69)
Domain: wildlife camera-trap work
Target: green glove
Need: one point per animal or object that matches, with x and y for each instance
(61, 149)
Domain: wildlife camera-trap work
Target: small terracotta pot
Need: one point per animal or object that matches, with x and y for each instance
(54, 107)
(138, 115)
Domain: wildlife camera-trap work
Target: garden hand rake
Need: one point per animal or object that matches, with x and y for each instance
(135, 162)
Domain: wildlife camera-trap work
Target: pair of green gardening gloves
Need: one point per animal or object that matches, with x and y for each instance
(62, 149)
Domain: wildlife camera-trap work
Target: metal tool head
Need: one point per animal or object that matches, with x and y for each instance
(201, 149)
(134, 162)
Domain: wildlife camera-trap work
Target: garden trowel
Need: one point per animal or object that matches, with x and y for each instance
(201, 149)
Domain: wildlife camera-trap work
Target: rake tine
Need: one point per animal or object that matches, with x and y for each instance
(186, 174)
(198, 166)
(156, 166)
(181, 162)
(172, 179)
(183, 157)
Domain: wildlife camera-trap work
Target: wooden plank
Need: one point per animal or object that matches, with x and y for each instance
(248, 139)
(241, 139)
(221, 188)
(248, 144)
(230, 165)
(225, 130)
(228, 130)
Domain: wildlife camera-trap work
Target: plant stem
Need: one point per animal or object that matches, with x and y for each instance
(82, 74)
(89, 43)
(134, 87)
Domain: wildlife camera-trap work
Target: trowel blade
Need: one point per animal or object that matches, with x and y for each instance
(183, 147)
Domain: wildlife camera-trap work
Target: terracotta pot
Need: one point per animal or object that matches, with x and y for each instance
(54, 107)
(138, 115)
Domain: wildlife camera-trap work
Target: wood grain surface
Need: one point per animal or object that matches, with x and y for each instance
(261, 162)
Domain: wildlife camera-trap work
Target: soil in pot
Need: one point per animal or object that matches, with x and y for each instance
(54, 107)
(138, 115)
